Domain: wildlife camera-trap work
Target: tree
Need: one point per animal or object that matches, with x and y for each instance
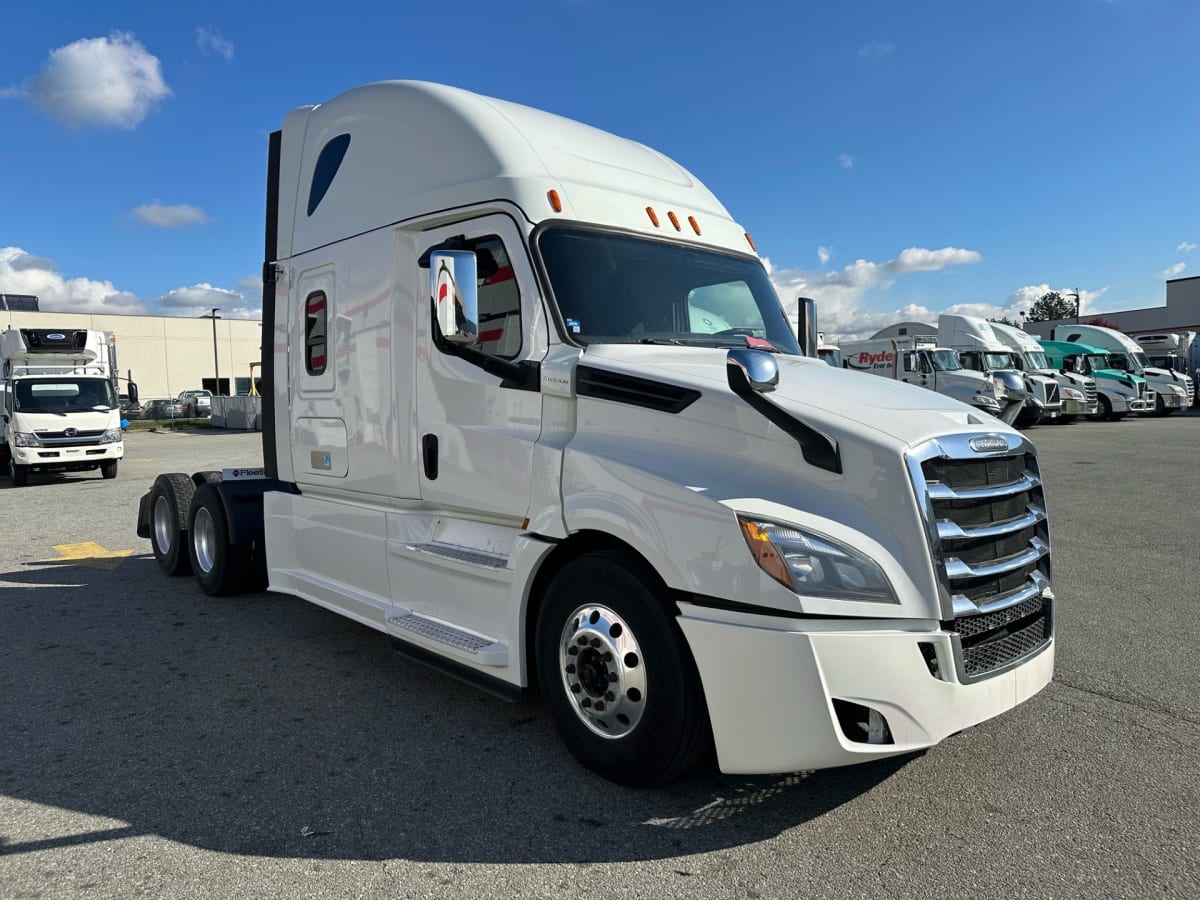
(1005, 320)
(1104, 323)
(1051, 305)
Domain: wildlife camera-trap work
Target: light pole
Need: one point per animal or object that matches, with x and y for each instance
(1076, 296)
(216, 366)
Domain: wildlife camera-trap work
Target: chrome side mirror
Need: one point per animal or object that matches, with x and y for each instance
(756, 369)
(453, 284)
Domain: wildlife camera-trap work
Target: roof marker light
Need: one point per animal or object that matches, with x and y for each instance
(695, 225)
(555, 202)
(653, 215)
(750, 241)
(674, 220)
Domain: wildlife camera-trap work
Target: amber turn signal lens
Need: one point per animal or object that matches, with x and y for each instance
(555, 202)
(653, 215)
(765, 552)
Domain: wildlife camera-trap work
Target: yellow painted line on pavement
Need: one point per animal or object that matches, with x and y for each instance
(90, 554)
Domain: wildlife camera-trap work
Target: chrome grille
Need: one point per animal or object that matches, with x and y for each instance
(991, 546)
(1089, 391)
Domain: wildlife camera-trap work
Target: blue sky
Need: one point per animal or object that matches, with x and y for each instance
(890, 159)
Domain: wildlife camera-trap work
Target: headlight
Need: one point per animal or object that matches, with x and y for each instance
(1072, 394)
(985, 400)
(111, 436)
(23, 439)
(812, 564)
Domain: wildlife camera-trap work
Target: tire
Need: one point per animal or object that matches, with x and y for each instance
(170, 501)
(18, 473)
(1105, 413)
(108, 468)
(221, 568)
(1067, 420)
(1160, 407)
(642, 719)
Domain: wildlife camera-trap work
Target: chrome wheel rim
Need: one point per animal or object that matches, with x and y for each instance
(204, 539)
(603, 672)
(165, 526)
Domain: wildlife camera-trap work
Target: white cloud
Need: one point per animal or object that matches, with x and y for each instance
(105, 81)
(161, 215)
(199, 299)
(22, 272)
(212, 40)
(877, 49)
(251, 284)
(824, 254)
(846, 161)
(840, 294)
(1185, 247)
(1171, 271)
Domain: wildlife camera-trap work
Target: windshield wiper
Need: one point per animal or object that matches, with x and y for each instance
(670, 341)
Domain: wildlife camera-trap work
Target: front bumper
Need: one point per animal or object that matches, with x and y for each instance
(1079, 408)
(770, 686)
(1171, 401)
(66, 459)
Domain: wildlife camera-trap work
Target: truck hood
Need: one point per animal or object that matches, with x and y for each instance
(38, 422)
(836, 401)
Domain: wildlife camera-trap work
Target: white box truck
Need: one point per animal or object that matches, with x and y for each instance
(1078, 392)
(59, 400)
(534, 410)
(911, 352)
(1172, 390)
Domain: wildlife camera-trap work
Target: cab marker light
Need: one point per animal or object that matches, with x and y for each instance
(750, 241)
(695, 225)
(555, 202)
(653, 215)
(674, 220)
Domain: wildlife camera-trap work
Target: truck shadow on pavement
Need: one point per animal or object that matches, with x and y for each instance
(263, 725)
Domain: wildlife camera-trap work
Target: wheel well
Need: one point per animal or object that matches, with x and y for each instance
(578, 544)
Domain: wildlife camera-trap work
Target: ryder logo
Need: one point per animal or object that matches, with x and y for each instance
(865, 359)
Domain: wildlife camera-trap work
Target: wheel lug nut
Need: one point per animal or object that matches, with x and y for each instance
(612, 676)
(596, 643)
(571, 669)
(599, 706)
(607, 656)
(573, 650)
(575, 688)
(582, 642)
(610, 696)
(587, 702)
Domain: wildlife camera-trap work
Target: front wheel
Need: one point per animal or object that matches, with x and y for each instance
(108, 468)
(18, 473)
(616, 674)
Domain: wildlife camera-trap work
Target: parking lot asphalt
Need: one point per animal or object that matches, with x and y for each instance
(157, 742)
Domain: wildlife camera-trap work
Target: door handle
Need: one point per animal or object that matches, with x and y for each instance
(429, 456)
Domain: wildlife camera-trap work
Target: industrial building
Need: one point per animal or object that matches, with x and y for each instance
(164, 355)
(1181, 313)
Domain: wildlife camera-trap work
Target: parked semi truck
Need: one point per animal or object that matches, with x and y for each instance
(59, 400)
(1078, 392)
(1172, 390)
(911, 352)
(981, 349)
(1177, 352)
(681, 534)
(1118, 392)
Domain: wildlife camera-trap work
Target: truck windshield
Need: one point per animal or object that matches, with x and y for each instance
(1141, 361)
(614, 288)
(998, 361)
(944, 360)
(1124, 363)
(63, 395)
(1096, 361)
(831, 356)
(1036, 359)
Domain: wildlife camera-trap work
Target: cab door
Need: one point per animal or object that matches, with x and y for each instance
(477, 424)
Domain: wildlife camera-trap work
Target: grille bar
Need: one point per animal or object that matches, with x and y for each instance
(939, 491)
(949, 530)
(956, 568)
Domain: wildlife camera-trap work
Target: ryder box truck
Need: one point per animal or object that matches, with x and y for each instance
(535, 411)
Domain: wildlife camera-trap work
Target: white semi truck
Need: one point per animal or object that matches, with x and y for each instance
(1176, 352)
(59, 399)
(1078, 392)
(1173, 390)
(910, 352)
(556, 474)
(981, 349)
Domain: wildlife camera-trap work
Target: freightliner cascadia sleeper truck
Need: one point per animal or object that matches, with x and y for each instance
(536, 412)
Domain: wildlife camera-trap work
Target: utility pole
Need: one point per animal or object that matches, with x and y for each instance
(216, 365)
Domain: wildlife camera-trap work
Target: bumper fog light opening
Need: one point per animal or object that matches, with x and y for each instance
(862, 724)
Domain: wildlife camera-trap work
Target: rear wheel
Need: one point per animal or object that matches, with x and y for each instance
(170, 499)
(221, 568)
(108, 468)
(616, 674)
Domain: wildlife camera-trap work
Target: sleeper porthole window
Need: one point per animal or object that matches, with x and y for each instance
(316, 321)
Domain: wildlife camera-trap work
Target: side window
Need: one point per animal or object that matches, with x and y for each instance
(499, 299)
(926, 368)
(908, 361)
(316, 321)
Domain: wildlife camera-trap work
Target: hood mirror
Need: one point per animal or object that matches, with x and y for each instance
(756, 369)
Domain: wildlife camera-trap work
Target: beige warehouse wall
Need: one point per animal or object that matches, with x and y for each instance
(166, 354)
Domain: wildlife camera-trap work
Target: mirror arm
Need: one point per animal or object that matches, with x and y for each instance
(522, 376)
